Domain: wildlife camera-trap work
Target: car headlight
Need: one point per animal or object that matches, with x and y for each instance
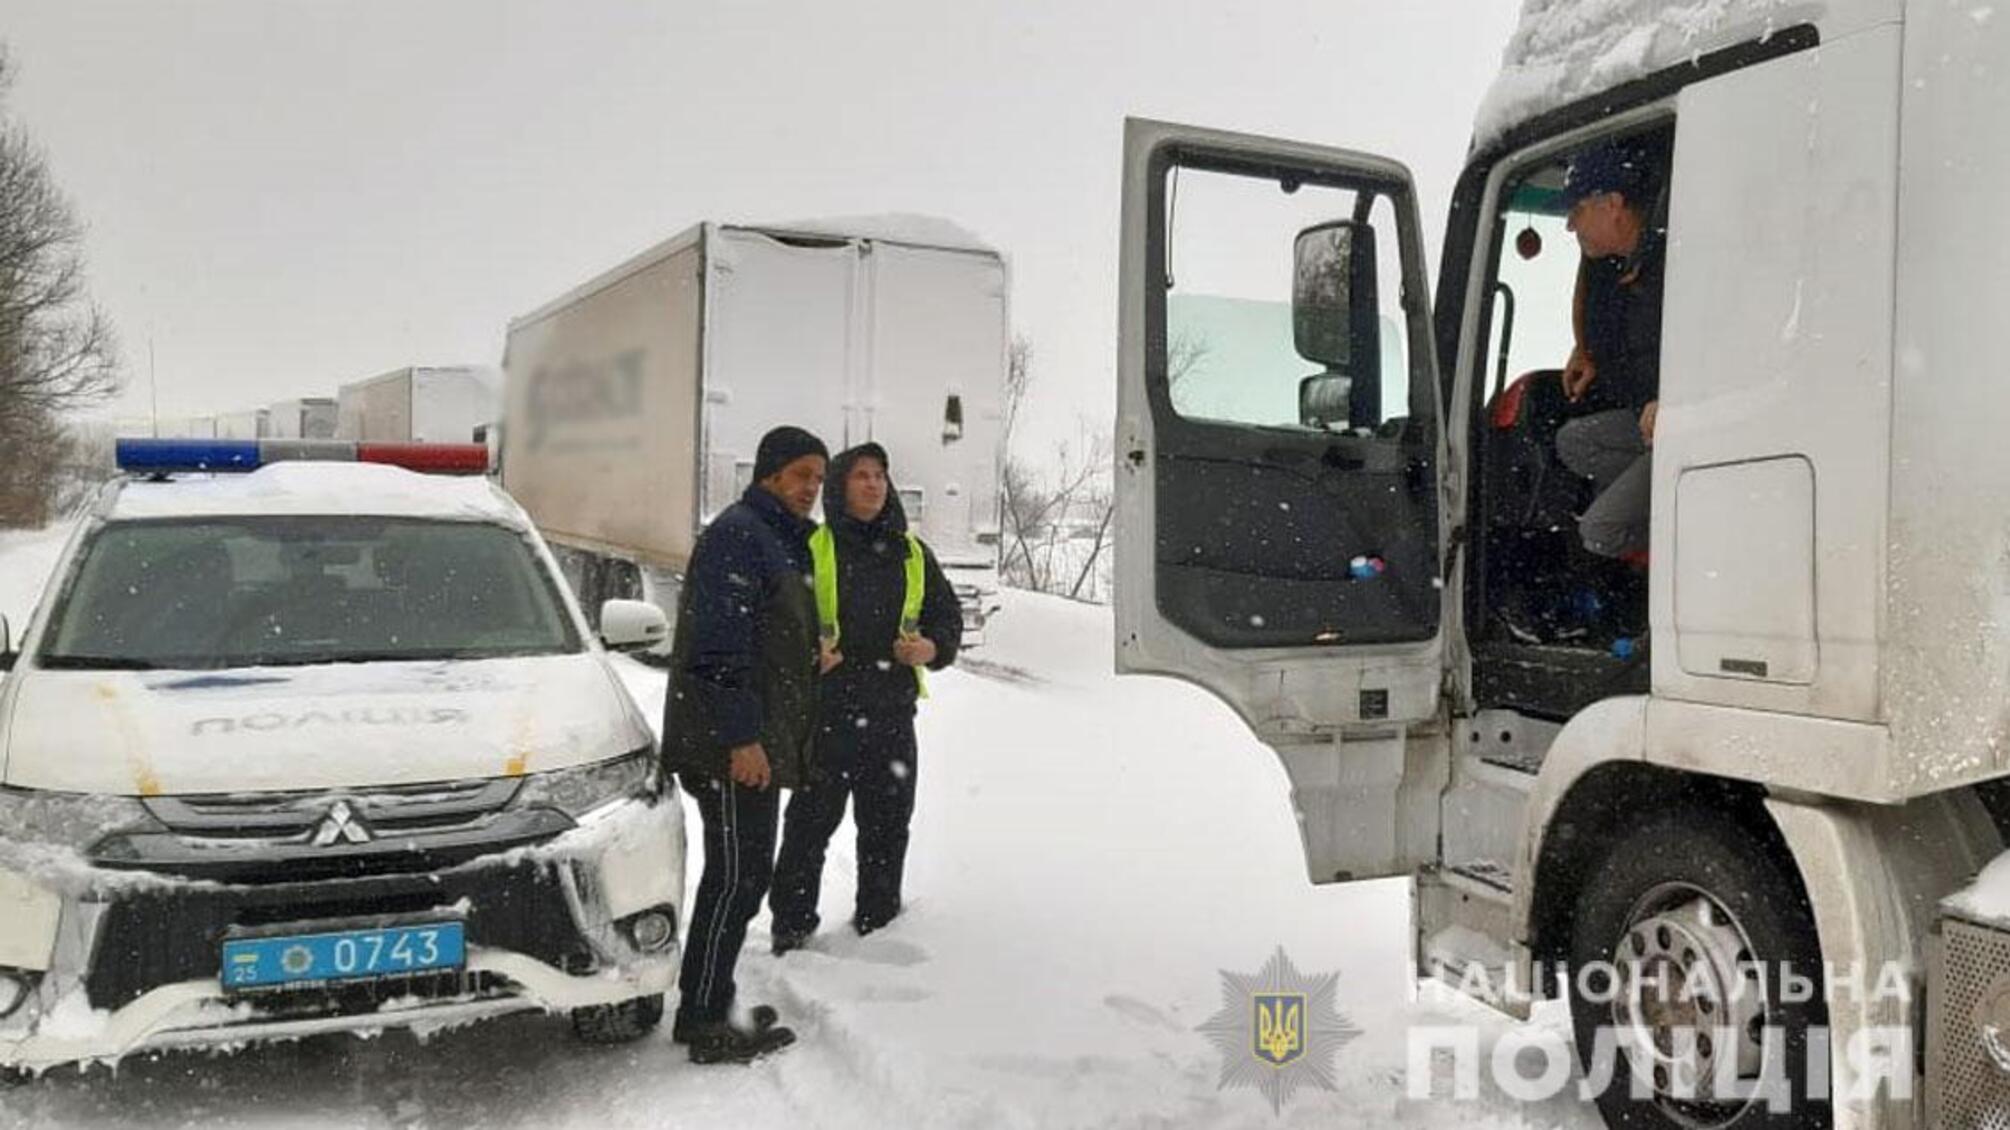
(71, 820)
(581, 789)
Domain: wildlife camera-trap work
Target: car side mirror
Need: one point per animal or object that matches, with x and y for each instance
(6, 646)
(632, 625)
(1336, 323)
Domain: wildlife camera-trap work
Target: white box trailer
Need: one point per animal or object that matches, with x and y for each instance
(249, 424)
(634, 402)
(310, 417)
(1726, 825)
(422, 404)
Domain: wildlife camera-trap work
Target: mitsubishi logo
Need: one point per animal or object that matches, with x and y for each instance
(341, 824)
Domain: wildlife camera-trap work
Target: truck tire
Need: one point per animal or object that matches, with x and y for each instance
(1691, 899)
(618, 1023)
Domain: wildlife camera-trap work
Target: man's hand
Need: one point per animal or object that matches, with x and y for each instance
(750, 766)
(915, 651)
(828, 656)
(1578, 373)
(1648, 415)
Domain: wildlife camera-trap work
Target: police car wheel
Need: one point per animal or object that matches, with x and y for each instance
(618, 1023)
(1681, 926)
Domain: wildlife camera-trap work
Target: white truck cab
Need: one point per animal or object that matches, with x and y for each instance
(1770, 746)
(304, 746)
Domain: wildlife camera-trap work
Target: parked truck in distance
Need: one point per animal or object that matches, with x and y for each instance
(310, 417)
(634, 402)
(249, 424)
(420, 404)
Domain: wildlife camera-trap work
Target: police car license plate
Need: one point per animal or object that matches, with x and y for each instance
(346, 955)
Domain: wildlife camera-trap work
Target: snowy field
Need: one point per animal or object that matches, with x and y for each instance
(1089, 853)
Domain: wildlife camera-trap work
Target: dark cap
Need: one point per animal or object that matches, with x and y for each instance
(1611, 167)
(783, 446)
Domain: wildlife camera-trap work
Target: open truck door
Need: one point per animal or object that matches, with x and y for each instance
(1282, 505)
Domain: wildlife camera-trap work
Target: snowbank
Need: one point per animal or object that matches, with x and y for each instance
(1988, 898)
(27, 557)
(1564, 50)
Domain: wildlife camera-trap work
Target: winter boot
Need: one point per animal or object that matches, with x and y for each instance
(760, 1018)
(726, 1042)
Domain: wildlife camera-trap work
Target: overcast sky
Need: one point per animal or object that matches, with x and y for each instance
(286, 196)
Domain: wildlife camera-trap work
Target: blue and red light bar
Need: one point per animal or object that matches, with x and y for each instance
(160, 456)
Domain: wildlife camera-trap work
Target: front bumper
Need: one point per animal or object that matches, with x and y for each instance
(133, 964)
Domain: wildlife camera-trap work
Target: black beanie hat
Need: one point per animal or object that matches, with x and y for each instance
(783, 446)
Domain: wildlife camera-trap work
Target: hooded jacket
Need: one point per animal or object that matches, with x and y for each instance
(871, 584)
(743, 667)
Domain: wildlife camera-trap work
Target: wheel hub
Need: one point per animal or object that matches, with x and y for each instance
(1688, 1006)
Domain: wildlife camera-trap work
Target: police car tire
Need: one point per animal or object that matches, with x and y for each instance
(1709, 850)
(618, 1023)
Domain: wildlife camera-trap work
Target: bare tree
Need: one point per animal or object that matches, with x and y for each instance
(1018, 376)
(1100, 501)
(1186, 355)
(1058, 513)
(1057, 519)
(56, 349)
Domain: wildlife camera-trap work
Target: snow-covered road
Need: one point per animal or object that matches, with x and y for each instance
(1089, 853)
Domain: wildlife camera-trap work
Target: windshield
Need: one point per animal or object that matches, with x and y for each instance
(246, 592)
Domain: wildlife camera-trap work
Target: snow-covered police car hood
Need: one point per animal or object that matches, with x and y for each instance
(146, 733)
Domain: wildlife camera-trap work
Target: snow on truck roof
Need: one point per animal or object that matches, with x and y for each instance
(311, 488)
(1564, 50)
(902, 228)
(893, 227)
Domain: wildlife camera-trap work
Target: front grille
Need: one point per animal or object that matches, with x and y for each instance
(384, 809)
(1965, 1088)
(152, 938)
(249, 860)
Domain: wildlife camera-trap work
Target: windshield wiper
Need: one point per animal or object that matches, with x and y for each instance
(319, 658)
(96, 663)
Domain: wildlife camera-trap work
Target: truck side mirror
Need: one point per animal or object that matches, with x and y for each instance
(1336, 323)
(631, 625)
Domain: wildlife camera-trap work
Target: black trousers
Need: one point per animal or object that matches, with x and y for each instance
(869, 759)
(739, 829)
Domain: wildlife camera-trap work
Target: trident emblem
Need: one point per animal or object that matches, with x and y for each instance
(1280, 1027)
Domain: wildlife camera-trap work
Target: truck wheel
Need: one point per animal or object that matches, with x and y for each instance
(618, 1023)
(1682, 943)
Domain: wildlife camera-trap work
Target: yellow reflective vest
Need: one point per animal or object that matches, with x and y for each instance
(823, 559)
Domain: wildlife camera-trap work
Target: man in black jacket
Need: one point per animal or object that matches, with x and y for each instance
(886, 612)
(739, 723)
(1616, 365)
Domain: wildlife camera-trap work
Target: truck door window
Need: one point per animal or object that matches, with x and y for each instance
(1531, 313)
(1230, 350)
(1293, 406)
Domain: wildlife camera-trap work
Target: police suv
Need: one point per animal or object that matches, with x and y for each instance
(301, 740)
